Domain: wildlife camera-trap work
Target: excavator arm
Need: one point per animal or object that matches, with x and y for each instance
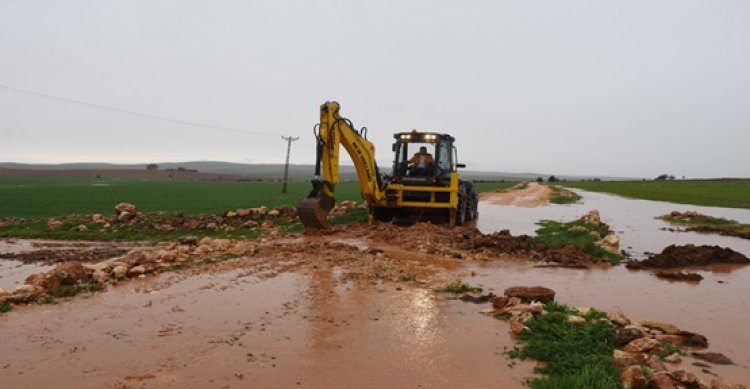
(332, 132)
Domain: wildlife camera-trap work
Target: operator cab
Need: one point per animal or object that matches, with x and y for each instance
(423, 158)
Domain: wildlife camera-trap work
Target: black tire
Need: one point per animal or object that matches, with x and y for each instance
(461, 211)
(471, 201)
(383, 214)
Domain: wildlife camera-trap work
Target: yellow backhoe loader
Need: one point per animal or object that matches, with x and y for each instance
(424, 184)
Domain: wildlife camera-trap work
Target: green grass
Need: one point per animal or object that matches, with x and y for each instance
(54, 196)
(574, 356)
(559, 198)
(708, 221)
(6, 307)
(460, 287)
(554, 233)
(718, 193)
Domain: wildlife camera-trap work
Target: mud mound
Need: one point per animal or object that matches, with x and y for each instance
(467, 243)
(689, 255)
(738, 232)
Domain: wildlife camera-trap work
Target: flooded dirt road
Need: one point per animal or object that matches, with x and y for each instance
(634, 221)
(240, 326)
(348, 310)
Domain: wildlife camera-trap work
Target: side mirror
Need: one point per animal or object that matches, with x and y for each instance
(460, 165)
(393, 147)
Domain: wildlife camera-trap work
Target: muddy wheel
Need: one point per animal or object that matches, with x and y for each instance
(461, 211)
(383, 214)
(471, 200)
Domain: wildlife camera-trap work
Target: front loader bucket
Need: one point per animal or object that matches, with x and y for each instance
(312, 211)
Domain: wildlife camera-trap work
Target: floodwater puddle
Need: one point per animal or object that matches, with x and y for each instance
(219, 329)
(633, 220)
(716, 307)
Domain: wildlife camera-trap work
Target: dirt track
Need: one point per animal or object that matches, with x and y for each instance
(534, 195)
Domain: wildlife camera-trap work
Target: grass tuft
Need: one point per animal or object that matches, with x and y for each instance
(460, 287)
(574, 356)
(554, 233)
(6, 307)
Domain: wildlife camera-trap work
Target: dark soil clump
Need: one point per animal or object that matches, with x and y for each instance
(679, 276)
(690, 255)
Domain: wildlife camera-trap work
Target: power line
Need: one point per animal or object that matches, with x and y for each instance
(129, 112)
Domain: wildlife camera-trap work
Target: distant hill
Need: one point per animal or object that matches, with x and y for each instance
(229, 171)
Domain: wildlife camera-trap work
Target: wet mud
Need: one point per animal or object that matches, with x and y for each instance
(690, 255)
(339, 317)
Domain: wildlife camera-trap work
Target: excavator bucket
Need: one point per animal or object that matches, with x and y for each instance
(313, 210)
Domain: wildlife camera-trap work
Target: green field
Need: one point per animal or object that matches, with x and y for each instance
(718, 193)
(55, 196)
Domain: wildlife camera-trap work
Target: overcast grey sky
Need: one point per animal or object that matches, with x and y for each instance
(618, 88)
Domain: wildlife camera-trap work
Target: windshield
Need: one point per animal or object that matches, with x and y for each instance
(422, 159)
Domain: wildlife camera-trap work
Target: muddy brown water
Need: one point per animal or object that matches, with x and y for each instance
(231, 328)
(228, 330)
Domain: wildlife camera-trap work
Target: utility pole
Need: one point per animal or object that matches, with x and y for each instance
(289, 141)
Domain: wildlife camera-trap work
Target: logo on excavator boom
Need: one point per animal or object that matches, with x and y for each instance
(363, 159)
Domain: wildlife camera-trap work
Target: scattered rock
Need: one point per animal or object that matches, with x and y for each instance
(713, 357)
(54, 225)
(250, 224)
(189, 239)
(499, 302)
(661, 380)
(688, 379)
(577, 320)
(641, 345)
(618, 319)
(673, 358)
(136, 271)
(25, 288)
(691, 339)
(622, 359)
(674, 340)
(633, 378)
(69, 273)
(80, 228)
(626, 335)
(119, 271)
(43, 280)
(531, 293)
(610, 243)
(125, 207)
(592, 218)
(101, 276)
(661, 326)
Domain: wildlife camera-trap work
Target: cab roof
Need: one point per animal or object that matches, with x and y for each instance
(418, 136)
